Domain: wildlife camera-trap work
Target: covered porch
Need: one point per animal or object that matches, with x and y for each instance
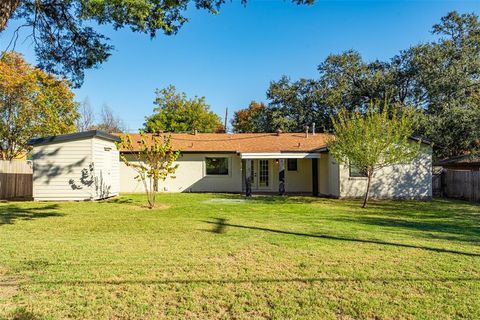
(281, 173)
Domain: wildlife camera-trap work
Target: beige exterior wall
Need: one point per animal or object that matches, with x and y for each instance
(411, 181)
(402, 181)
(191, 177)
(328, 176)
(63, 171)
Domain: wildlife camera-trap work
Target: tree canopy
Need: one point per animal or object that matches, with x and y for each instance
(440, 79)
(250, 119)
(63, 32)
(32, 104)
(175, 112)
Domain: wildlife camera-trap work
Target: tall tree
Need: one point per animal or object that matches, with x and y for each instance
(250, 119)
(374, 140)
(175, 112)
(65, 42)
(441, 79)
(32, 104)
(447, 84)
(293, 105)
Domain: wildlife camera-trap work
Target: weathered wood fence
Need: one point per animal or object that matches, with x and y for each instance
(16, 180)
(457, 184)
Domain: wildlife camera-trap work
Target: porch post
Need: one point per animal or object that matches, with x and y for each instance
(315, 176)
(248, 178)
(281, 177)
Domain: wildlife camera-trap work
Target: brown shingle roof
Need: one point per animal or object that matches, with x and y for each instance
(243, 142)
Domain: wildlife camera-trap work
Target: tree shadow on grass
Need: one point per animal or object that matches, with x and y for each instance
(11, 213)
(161, 281)
(220, 225)
(447, 228)
(271, 198)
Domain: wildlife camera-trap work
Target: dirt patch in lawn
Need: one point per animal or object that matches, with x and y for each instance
(9, 287)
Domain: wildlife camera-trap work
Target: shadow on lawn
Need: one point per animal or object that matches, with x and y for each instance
(249, 281)
(221, 224)
(272, 198)
(12, 212)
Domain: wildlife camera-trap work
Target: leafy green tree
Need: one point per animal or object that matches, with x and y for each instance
(446, 78)
(67, 44)
(293, 105)
(373, 140)
(153, 159)
(32, 104)
(441, 79)
(177, 113)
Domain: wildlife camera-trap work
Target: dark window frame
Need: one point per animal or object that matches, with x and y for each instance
(220, 172)
(290, 162)
(356, 173)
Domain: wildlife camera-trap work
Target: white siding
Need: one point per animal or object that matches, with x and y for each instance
(106, 168)
(411, 181)
(57, 170)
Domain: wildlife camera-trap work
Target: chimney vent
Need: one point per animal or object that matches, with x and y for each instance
(195, 132)
(313, 129)
(279, 131)
(306, 131)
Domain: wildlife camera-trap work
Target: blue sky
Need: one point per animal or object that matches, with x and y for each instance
(230, 58)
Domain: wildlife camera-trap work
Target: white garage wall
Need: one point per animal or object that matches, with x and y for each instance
(106, 161)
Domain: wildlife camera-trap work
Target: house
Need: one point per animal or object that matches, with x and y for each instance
(78, 166)
(292, 163)
(467, 162)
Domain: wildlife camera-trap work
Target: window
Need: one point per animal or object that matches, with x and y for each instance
(356, 171)
(216, 166)
(292, 164)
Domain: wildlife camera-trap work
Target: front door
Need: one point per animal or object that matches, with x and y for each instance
(261, 175)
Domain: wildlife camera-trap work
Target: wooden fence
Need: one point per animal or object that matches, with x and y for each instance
(457, 184)
(16, 180)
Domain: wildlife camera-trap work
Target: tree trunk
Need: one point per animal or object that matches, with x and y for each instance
(367, 193)
(7, 8)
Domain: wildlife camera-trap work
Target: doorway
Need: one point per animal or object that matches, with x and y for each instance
(261, 174)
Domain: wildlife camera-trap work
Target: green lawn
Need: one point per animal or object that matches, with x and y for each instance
(219, 256)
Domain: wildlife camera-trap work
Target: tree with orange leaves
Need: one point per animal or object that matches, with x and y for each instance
(32, 104)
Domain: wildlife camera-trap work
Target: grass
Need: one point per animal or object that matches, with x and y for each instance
(219, 256)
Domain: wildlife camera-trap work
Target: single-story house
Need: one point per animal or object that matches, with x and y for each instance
(78, 166)
(466, 162)
(294, 163)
